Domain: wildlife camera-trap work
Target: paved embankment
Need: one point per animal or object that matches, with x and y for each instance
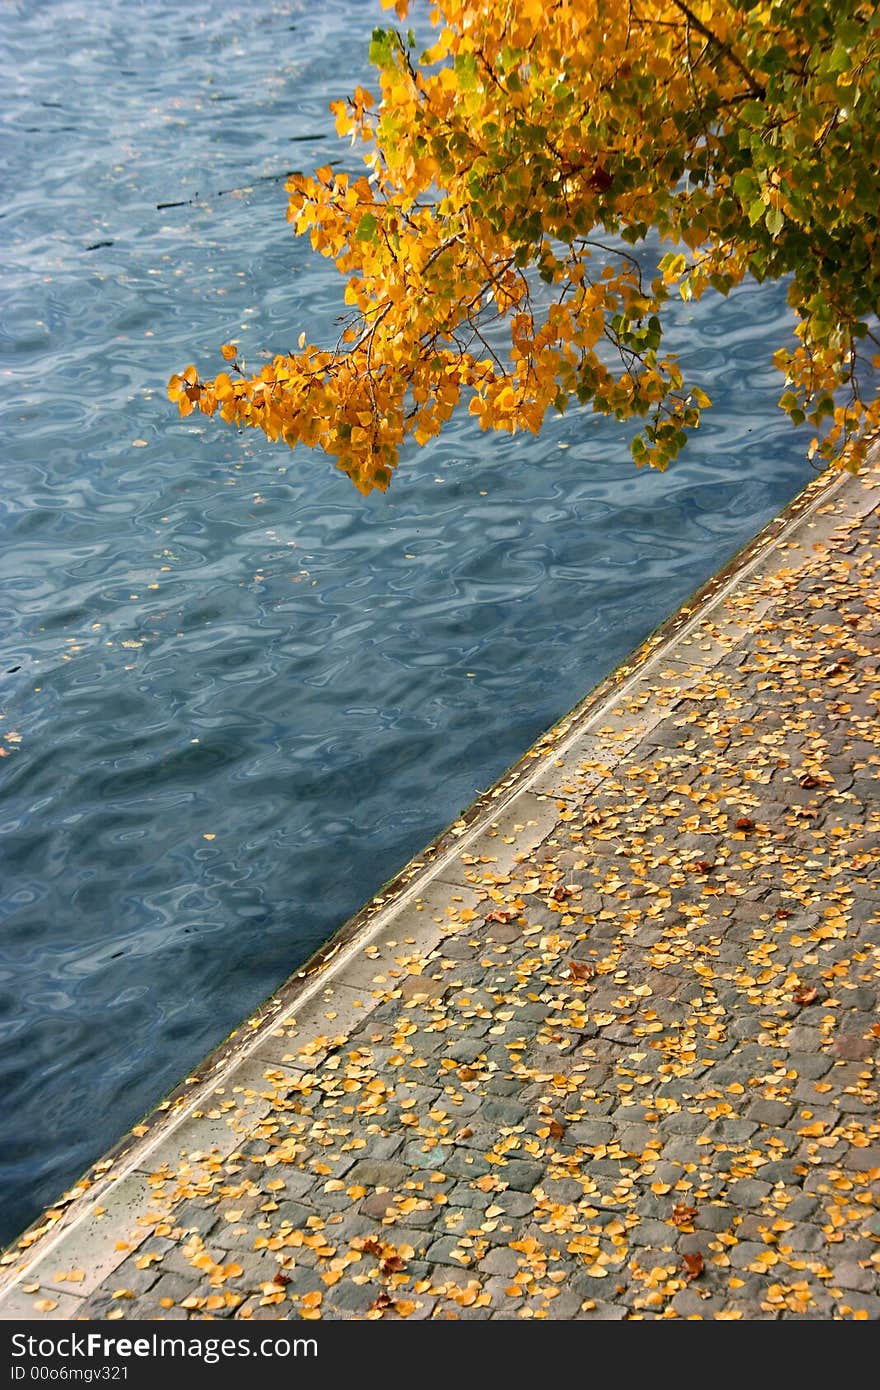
(607, 1050)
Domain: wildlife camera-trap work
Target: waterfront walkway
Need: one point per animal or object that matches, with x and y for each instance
(606, 1050)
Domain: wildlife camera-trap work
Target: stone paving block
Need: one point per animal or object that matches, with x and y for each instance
(503, 1304)
(770, 1112)
(691, 1303)
(513, 1203)
(446, 1250)
(377, 1205)
(715, 1217)
(698, 1242)
(347, 1297)
(170, 1285)
(561, 1190)
(591, 1133)
(863, 1160)
(598, 1311)
(373, 1173)
(653, 1232)
(852, 1276)
(865, 1303)
(810, 1066)
(564, 1304)
(521, 1174)
(503, 1260)
(731, 1131)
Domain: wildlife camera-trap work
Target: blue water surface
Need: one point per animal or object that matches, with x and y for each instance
(206, 636)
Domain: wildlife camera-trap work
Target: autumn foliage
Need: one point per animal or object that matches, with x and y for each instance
(492, 249)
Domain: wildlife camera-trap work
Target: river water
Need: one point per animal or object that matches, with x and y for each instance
(236, 695)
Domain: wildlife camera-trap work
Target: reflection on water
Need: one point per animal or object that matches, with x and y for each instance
(236, 695)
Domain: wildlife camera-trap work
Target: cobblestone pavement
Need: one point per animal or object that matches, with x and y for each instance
(614, 1057)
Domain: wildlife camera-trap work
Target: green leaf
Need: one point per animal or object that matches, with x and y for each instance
(382, 45)
(366, 228)
(753, 113)
(744, 185)
(466, 71)
(774, 221)
(635, 232)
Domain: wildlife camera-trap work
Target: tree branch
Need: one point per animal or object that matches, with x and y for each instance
(757, 90)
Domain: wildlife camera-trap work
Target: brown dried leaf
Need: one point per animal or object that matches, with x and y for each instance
(806, 994)
(580, 970)
(682, 1214)
(693, 1266)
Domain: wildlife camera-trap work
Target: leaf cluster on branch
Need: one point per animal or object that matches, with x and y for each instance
(508, 169)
